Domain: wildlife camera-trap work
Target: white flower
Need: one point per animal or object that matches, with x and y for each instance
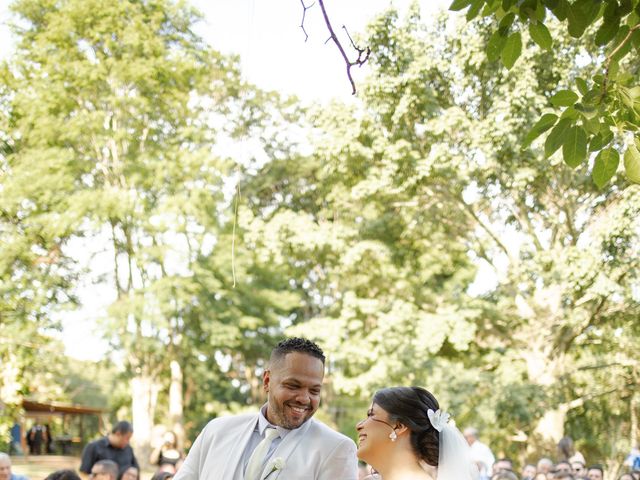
(277, 464)
(438, 419)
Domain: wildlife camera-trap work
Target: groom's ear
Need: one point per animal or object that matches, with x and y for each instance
(266, 378)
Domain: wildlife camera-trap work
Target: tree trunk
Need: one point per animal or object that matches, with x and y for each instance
(176, 406)
(635, 404)
(144, 395)
(551, 425)
(544, 371)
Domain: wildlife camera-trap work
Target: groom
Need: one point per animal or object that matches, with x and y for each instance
(281, 441)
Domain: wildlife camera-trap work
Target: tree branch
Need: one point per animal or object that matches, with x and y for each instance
(609, 59)
(363, 53)
(304, 13)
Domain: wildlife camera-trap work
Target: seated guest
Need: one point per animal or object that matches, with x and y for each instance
(105, 469)
(595, 472)
(544, 465)
(502, 465)
(129, 473)
(578, 469)
(5, 469)
(529, 472)
(504, 475)
(563, 476)
(563, 467)
(63, 475)
(162, 476)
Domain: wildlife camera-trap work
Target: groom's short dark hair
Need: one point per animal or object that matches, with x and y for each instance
(296, 344)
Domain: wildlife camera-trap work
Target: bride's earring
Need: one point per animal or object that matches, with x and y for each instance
(393, 436)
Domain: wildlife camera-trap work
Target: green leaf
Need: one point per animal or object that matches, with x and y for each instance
(512, 50)
(581, 83)
(556, 137)
(607, 31)
(564, 98)
(601, 140)
(574, 148)
(474, 9)
(635, 38)
(458, 5)
(605, 166)
(547, 121)
(506, 22)
(587, 110)
(540, 34)
(495, 45)
(625, 8)
(577, 21)
(570, 112)
(632, 164)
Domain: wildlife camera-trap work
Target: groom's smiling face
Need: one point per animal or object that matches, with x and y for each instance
(293, 387)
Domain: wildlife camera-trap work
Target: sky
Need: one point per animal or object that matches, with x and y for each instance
(275, 56)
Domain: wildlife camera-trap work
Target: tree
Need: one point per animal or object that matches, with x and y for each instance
(126, 105)
(406, 196)
(602, 110)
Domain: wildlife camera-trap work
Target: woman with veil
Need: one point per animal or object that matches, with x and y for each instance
(407, 437)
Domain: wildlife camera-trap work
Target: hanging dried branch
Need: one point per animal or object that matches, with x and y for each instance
(363, 53)
(304, 13)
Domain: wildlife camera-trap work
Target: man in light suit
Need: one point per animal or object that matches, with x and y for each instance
(281, 441)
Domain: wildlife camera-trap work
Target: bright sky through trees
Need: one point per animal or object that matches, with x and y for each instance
(275, 56)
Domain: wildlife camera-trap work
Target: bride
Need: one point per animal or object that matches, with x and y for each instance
(407, 437)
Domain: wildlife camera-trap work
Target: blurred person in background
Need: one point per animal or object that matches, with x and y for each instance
(567, 451)
(502, 465)
(545, 465)
(563, 467)
(162, 476)
(115, 447)
(578, 469)
(562, 475)
(63, 475)
(104, 470)
(504, 475)
(5, 469)
(595, 472)
(129, 473)
(480, 453)
(529, 472)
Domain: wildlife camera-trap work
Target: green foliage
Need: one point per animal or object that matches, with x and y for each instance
(383, 226)
(111, 117)
(610, 33)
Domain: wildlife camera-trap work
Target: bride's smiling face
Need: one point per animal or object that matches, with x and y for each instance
(373, 434)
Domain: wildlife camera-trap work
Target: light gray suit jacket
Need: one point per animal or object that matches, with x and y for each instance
(312, 451)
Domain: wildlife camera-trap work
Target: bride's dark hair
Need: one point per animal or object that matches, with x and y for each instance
(408, 406)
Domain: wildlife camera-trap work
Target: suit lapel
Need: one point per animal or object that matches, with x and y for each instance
(285, 449)
(235, 453)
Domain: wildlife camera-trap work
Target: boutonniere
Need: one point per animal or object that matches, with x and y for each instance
(276, 465)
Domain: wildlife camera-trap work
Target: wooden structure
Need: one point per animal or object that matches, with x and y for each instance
(43, 412)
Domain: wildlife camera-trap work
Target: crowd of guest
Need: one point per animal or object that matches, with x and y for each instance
(112, 458)
(569, 464)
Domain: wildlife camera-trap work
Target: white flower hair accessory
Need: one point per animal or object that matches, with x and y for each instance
(438, 419)
(276, 465)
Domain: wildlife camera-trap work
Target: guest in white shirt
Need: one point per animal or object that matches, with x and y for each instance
(480, 453)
